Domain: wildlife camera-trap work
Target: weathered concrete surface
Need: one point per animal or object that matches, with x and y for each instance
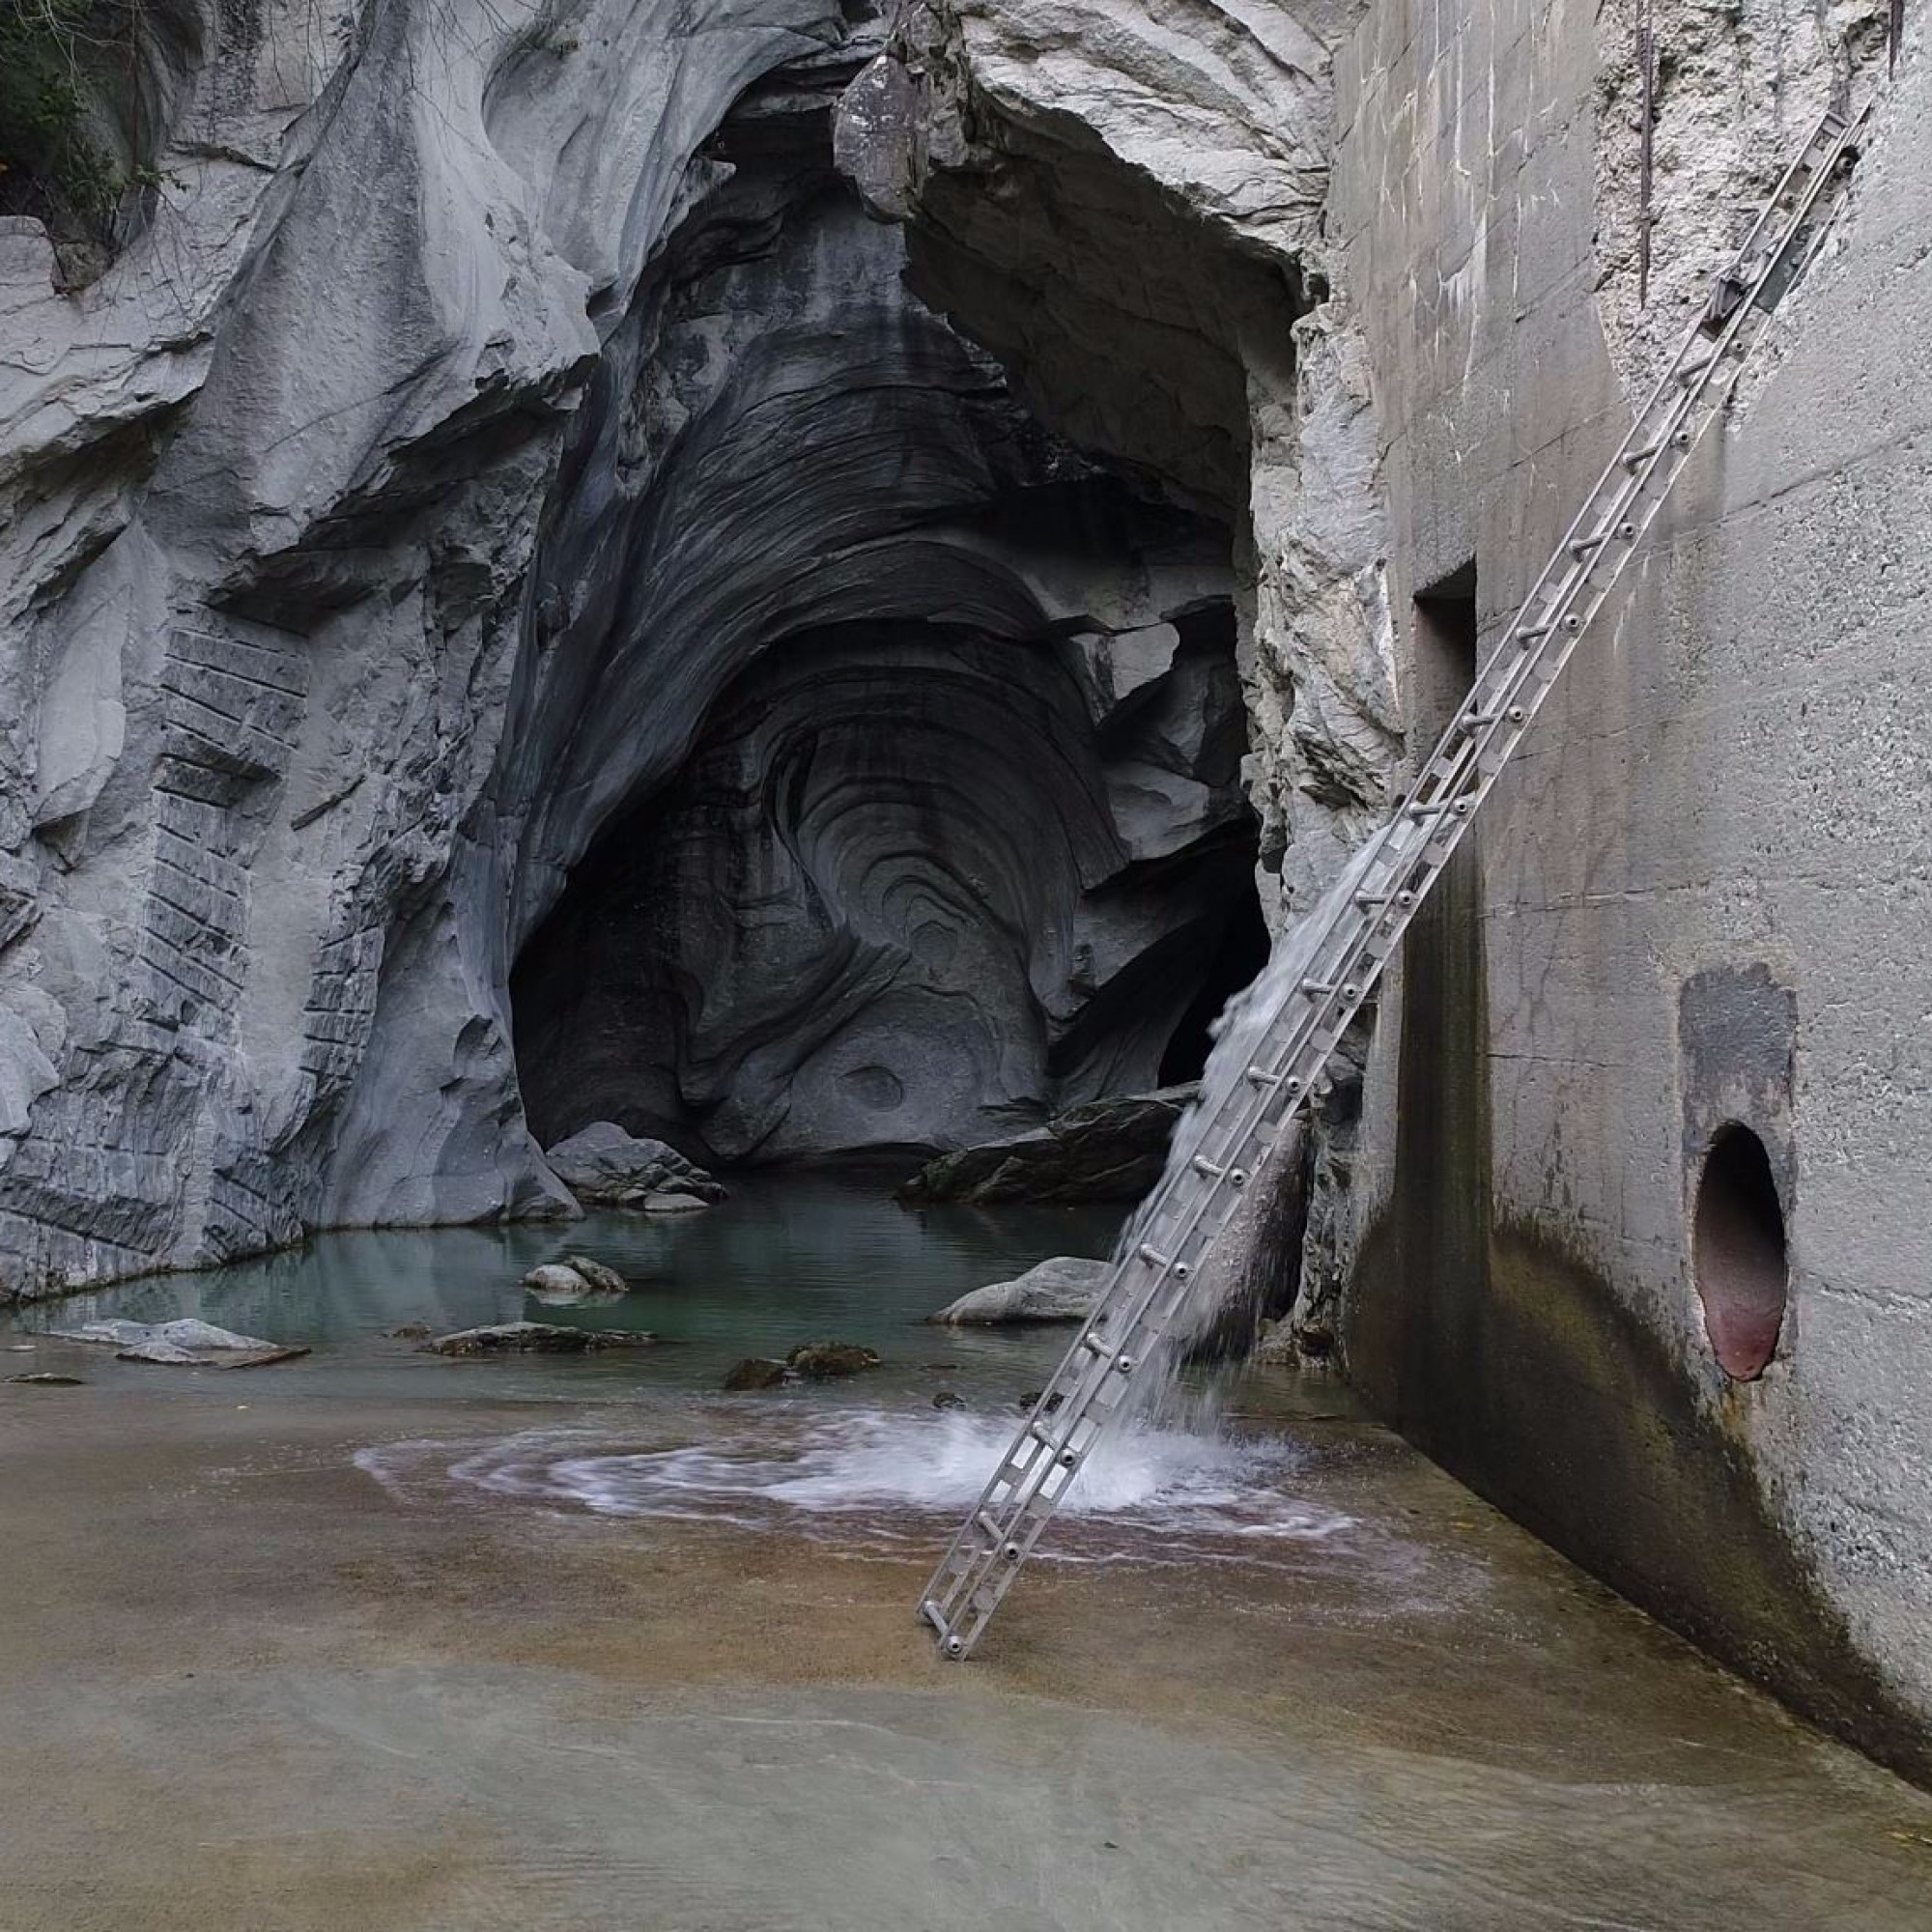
(321, 1707)
(1701, 890)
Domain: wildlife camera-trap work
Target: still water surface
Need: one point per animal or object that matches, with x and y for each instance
(784, 1260)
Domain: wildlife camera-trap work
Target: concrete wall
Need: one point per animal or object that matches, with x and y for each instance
(1704, 891)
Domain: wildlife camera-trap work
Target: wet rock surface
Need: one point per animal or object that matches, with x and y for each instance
(825, 1361)
(1064, 1289)
(574, 1281)
(1107, 1151)
(755, 1372)
(186, 1342)
(539, 1338)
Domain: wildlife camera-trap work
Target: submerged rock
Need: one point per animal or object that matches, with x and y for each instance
(1106, 1150)
(45, 1378)
(606, 1167)
(946, 1398)
(755, 1372)
(541, 1338)
(1064, 1289)
(821, 1361)
(187, 1343)
(411, 1331)
(555, 1282)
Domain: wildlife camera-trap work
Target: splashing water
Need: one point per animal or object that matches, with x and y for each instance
(875, 1479)
(1239, 1034)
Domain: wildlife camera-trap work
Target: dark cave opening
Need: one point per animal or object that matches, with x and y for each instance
(890, 747)
(1242, 952)
(912, 888)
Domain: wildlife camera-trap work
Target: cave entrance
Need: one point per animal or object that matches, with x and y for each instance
(912, 888)
(1241, 954)
(886, 749)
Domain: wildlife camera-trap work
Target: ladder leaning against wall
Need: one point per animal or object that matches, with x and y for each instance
(1193, 1205)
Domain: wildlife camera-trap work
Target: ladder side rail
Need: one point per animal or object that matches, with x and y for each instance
(1401, 863)
(1458, 754)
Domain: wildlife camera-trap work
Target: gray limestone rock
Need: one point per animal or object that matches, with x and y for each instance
(1107, 1151)
(604, 1279)
(1064, 1289)
(606, 1167)
(574, 1282)
(536, 1338)
(184, 1342)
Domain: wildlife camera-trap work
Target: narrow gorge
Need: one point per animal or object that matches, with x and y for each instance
(823, 587)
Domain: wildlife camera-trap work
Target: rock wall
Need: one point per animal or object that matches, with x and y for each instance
(493, 389)
(268, 493)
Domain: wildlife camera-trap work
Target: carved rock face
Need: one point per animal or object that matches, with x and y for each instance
(912, 890)
(878, 766)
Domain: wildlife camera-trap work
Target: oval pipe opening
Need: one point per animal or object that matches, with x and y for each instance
(1737, 1245)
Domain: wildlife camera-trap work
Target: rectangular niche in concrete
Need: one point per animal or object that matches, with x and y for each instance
(1445, 654)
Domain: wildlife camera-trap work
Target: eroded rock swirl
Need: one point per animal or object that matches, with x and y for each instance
(956, 834)
(497, 402)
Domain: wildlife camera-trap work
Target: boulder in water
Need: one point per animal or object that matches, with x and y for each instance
(540, 1338)
(948, 1399)
(1106, 1150)
(46, 1379)
(574, 1280)
(1064, 1289)
(821, 1361)
(605, 1167)
(186, 1342)
(603, 1279)
(558, 1283)
(755, 1372)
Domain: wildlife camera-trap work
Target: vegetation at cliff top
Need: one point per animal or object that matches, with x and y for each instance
(60, 60)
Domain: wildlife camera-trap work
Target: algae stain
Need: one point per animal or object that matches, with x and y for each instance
(1502, 1352)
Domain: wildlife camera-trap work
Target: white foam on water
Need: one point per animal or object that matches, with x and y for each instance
(875, 1477)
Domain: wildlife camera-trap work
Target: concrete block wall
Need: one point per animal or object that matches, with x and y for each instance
(1704, 892)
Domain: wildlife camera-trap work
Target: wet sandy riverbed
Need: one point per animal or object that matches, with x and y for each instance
(459, 1646)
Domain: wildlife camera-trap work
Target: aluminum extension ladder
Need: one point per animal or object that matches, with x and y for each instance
(1196, 1198)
